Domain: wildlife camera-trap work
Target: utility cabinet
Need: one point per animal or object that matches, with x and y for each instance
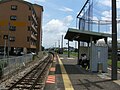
(99, 57)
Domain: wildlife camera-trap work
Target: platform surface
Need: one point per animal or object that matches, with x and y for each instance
(68, 75)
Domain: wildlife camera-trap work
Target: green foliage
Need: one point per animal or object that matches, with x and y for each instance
(73, 54)
(110, 63)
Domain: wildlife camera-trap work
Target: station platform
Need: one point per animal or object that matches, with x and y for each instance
(65, 74)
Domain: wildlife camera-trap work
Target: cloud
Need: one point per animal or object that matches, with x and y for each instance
(106, 2)
(41, 0)
(53, 30)
(95, 18)
(35, 1)
(106, 15)
(118, 4)
(118, 30)
(56, 25)
(118, 26)
(66, 9)
(67, 20)
(108, 30)
(109, 3)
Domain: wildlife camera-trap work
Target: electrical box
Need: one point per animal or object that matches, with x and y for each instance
(99, 57)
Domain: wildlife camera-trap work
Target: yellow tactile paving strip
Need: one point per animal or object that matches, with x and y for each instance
(66, 80)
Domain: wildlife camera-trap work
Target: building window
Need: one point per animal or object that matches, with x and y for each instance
(33, 12)
(12, 28)
(28, 39)
(13, 17)
(12, 38)
(29, 8)
(29, 28)
(5, 37)
(29, 18)
(13, 7)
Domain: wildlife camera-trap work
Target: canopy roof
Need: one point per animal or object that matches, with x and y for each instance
(80, 35)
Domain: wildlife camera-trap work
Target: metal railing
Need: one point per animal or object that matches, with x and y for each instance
(10, 65)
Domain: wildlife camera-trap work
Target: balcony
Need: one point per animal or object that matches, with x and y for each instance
(33, 36)
(34, 18)
(36, 34)
(34, 28)
(33, 46)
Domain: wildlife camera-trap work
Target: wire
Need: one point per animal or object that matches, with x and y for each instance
(101, 22)
(97, 11)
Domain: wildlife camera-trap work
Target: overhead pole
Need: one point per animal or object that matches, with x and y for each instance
(8, 40)
(82, 8)
(59, 44)
(114, 41)
(79, 26)
(68, 49)
(62, 44)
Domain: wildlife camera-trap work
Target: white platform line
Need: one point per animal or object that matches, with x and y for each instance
(111, 69)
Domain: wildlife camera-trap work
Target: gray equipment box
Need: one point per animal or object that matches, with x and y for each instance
(99, 57)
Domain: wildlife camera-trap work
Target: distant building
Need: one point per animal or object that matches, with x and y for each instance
(21, 21)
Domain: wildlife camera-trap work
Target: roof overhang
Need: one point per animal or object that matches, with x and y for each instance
(80, 35)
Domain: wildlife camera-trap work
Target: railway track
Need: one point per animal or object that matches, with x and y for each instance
(34, 79)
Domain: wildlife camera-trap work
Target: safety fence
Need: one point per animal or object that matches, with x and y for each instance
(10, 65)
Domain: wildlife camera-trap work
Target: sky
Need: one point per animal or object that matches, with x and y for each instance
(59, 15)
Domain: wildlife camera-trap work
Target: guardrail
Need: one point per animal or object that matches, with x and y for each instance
(10, 65)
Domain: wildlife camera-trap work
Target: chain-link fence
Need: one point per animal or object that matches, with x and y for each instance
(10, 65)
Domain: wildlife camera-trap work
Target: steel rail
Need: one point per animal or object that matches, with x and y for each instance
(32, 74)
(33, 86)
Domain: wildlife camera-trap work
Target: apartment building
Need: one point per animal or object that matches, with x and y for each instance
(20, 26)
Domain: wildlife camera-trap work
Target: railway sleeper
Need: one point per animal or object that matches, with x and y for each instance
(34, 79)
(27, 87)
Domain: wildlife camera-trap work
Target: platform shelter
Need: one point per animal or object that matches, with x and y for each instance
(96, 53)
